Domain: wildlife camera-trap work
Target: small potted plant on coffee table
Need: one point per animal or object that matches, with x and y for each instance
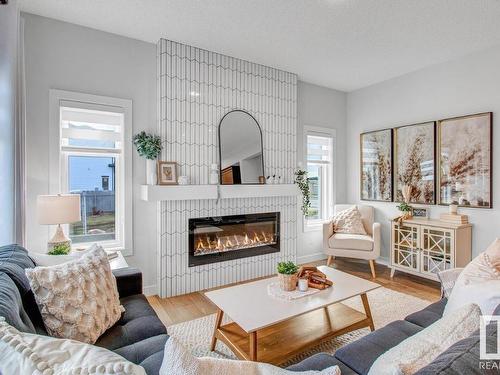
(287, 275)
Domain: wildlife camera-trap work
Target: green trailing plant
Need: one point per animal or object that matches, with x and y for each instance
(61, 249)
(148, 145)
(302, 181)
(404, 207)
(287, 268)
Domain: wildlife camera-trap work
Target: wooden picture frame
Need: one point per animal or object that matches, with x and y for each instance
(376, 172)
(415, 162)
(420, 212)
(166, 172)
(465, 160)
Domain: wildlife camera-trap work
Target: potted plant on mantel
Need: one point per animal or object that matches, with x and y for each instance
(287, 275)
(148, 146)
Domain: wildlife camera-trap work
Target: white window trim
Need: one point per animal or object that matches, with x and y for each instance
(317, 225)
(56, 160)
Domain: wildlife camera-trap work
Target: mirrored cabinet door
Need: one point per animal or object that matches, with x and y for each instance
(437, 249)
(405, 252)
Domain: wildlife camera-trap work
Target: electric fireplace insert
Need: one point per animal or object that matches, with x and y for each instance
(222, 238)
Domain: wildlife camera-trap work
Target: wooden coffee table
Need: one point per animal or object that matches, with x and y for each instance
(271, 330)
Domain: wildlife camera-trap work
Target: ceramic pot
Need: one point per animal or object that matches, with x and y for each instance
(288, 283)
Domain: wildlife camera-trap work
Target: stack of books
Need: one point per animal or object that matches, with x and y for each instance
(455, 218)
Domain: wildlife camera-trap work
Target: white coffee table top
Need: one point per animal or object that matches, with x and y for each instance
(250, 306)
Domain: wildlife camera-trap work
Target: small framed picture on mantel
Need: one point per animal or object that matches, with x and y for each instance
(167, 173)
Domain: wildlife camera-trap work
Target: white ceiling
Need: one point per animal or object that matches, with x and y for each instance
(342, 44)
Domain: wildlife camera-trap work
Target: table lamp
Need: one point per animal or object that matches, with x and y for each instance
(56, 210)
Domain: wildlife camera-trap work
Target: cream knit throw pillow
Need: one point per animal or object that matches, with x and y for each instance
(78, 299)
(348, 221)
(26, 353)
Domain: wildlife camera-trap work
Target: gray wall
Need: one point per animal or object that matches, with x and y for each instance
(64, 56)
(9, 17)
(323, 107)
(69, 57)
(465, 86)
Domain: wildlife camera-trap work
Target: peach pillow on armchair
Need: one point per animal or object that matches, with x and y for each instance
(348, 221)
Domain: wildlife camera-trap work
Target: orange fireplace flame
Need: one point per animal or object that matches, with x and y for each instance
(221, 243)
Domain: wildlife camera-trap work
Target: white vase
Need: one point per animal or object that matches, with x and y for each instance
(214, 174)
(151, 172)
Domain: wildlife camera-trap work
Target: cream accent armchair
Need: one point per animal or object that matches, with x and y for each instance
(354, 245)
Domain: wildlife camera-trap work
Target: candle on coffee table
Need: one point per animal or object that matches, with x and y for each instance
(303, 285)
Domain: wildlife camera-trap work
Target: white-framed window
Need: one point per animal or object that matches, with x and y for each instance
(90, 155)
(319, 151)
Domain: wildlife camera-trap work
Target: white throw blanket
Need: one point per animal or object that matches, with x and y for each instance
(178, 361)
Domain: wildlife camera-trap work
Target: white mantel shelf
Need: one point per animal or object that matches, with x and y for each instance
(250, 191)
(154, 193)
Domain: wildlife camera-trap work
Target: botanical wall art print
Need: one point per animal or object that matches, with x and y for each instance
(414, 162)
(376, 165)
(465, 149)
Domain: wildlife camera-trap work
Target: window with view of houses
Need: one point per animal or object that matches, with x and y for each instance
(92, 164)
(319, 160)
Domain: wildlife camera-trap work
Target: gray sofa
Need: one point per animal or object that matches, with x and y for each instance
(140, 336)
(358, 356)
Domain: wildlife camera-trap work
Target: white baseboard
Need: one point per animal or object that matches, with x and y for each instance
(311, 258)
(383, 261)
(320, 256)
(150, 290)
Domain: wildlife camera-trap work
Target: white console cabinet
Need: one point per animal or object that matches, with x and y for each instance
(424, 247)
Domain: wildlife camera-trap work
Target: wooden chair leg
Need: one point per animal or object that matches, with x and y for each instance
(372, 268)
(329, 261)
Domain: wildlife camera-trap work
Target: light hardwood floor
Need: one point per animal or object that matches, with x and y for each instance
(190, 306)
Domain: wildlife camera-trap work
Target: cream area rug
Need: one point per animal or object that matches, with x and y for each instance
(386, 306)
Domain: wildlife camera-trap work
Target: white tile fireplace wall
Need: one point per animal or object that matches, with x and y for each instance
(195, 89)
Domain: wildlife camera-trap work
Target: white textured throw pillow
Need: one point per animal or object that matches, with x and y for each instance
(348, 221)
(448, 278)
(479, 282)
(26, 353)
(178, 361)
(422, 348)
(78, 299)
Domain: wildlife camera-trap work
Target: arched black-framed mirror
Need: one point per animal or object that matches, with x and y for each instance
(241, 153)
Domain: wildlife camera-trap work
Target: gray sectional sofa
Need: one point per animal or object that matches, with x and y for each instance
(140, 336)
(358, 356)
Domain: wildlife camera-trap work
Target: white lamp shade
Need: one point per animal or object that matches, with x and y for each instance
(58, 209)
